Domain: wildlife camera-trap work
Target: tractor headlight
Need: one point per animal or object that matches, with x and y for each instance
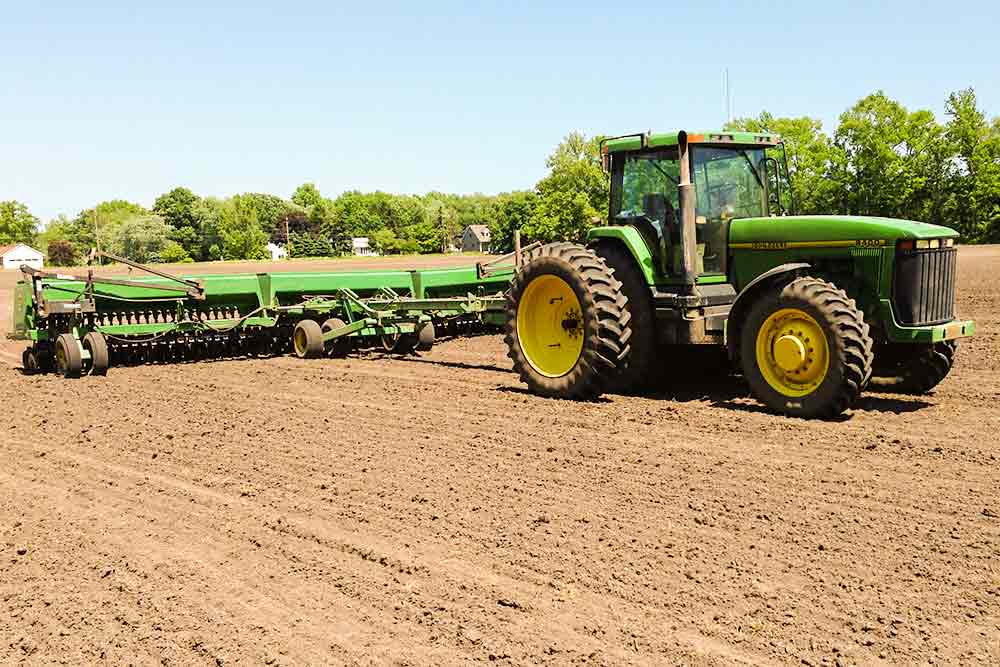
(906, 245)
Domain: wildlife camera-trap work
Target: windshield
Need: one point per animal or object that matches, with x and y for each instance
(729, 183)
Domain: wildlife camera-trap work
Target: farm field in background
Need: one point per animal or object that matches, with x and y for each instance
(429, 510)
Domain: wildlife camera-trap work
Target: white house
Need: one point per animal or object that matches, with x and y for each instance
(15, 255)
(277, 252)
(360, 247)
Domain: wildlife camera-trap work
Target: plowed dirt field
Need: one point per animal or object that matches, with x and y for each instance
(429, 511)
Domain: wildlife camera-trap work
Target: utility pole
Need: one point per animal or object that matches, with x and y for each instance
(444, 234)
(97, 238)
(288, 240)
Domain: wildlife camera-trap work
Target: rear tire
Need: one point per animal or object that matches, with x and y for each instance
(818, 322)
(307, 340)
(97, 346)
(638, 373)
(567, 328)
(69, 361)
(912, 369)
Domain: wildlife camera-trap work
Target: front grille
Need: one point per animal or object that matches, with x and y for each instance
(924, 286)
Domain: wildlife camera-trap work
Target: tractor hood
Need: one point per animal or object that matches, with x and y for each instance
(840, 230)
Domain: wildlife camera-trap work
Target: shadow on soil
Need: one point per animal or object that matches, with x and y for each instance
(446, 364)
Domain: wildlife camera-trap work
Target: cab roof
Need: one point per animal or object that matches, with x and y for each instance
(634, 142)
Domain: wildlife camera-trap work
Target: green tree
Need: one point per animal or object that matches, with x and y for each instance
(208, 212)
(895, 161)
(385, 242)
(240, 230)
(974, 188)
(307, 195)
(96, 227)
(272, 211)
(180, 208)
(561, 216)
(174, 253)
(511, 211)
(17, 224)
(140, 238)
(575, 167)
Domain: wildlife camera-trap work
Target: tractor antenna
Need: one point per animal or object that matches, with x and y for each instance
(729, 104)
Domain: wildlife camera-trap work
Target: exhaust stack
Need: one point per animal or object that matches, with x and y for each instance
(687, 200)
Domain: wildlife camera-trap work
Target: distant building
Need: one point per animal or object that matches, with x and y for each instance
(476, 238)
(360, 247)
(277, 251)
(13, 256)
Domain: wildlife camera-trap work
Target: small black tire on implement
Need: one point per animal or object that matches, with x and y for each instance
(29, 362)
(69, 360)
(567, 327)
(307, 340)
(339, 347)
(913, 369)
(97, 346)
(425, 337)
(807, 313)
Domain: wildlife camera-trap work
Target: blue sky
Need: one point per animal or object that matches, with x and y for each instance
(109, 100)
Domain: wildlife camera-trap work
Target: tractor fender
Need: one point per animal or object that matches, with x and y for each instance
(749, 294)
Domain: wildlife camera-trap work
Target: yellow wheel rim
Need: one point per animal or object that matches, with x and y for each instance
(550, 325)
(792, 352)
(300, 342)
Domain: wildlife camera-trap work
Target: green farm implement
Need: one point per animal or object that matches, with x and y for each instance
(702, 249)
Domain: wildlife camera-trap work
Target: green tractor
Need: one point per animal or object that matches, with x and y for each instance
(703, 248)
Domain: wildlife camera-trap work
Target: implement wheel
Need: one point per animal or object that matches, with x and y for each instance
(567, 323)
(339, 347)
(97, 346)
(912, 369)
(29, 362)
(425, 337)
(806, 350)
(307, 340)
(69, 361)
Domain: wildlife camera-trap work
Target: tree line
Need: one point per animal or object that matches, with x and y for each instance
(882, 159)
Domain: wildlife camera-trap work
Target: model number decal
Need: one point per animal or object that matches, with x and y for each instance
(785, 245)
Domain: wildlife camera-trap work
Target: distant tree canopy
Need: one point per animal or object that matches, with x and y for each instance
(881, 159)
(17, 224)
(886, 160)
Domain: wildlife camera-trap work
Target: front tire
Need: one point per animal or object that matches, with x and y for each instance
(567, 328)
(806, 351)
(912, 369)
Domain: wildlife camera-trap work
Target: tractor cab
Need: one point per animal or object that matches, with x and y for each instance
(727, 176)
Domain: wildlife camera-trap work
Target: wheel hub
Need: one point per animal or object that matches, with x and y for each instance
(789, 352)
(792, 352)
